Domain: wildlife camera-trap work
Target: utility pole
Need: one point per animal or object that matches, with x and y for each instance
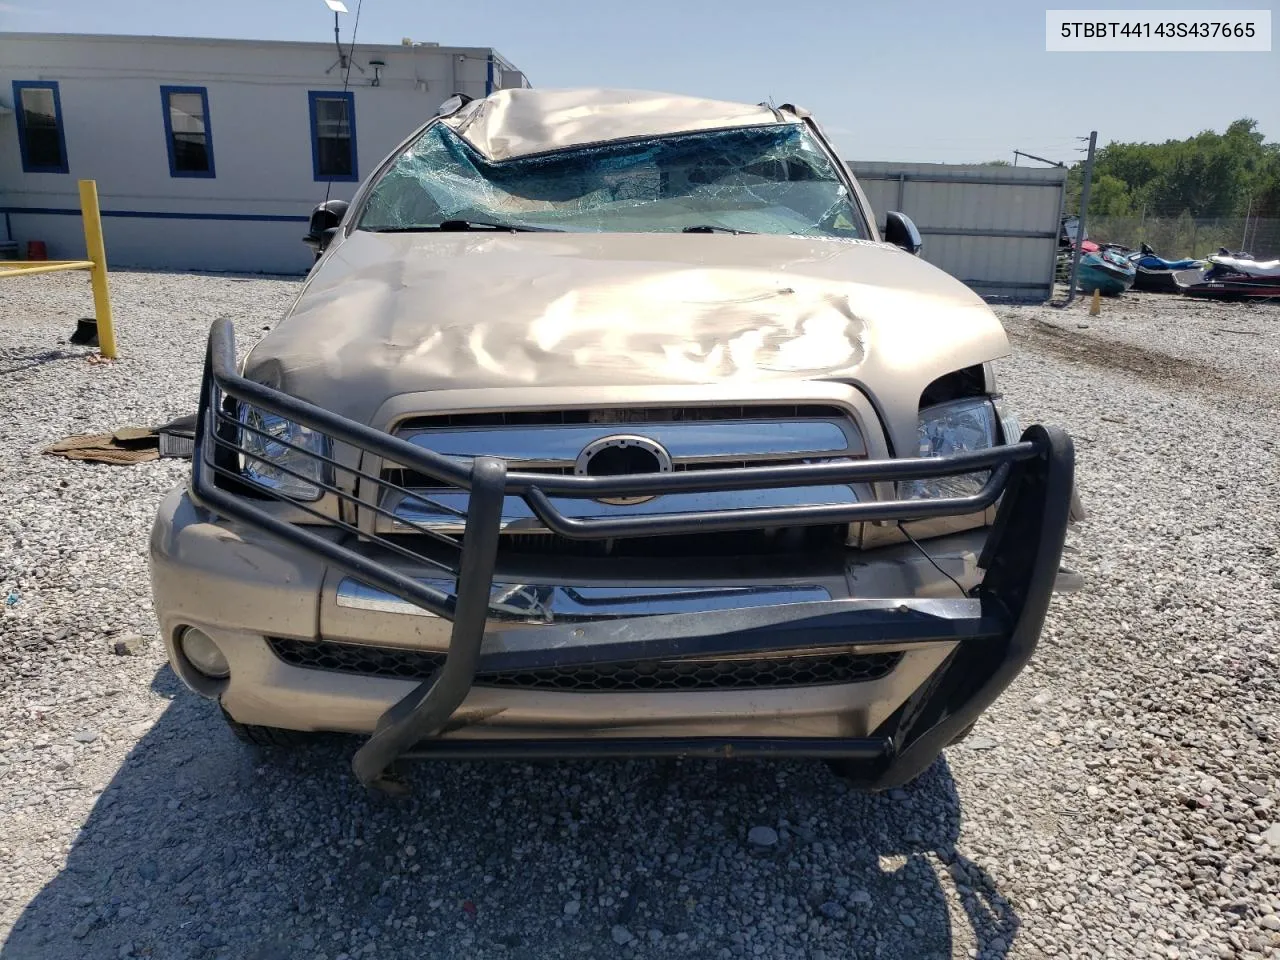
(1084, 207)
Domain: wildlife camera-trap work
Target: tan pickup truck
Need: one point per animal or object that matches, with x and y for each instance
(609, 423)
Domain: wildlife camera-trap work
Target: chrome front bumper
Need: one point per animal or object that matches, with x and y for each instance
(242, 587)
(557, 603)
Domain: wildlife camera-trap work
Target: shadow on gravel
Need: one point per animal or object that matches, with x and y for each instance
(201, 847)
(12, 361)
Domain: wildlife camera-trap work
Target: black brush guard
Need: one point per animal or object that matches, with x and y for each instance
(999, 623)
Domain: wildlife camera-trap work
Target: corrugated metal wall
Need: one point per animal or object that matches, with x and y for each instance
(995, 228)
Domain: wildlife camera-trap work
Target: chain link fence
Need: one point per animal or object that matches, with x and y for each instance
(1186, 236)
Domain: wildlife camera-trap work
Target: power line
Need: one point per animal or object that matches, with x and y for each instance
(351, 48)
(346, 80)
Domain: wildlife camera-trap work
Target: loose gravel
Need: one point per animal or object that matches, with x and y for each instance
(1122, 799)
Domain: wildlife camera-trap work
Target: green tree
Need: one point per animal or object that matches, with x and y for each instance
(1207, 175)
(1264, 195)
(1109, 196)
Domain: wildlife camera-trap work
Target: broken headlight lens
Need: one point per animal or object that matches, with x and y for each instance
(269, 461)
(958, 426)
(1010, 425)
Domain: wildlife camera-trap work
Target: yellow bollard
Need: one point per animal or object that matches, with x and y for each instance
(1095, 307)
(98, 273)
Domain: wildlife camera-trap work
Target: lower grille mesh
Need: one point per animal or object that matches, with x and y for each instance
(647, 675)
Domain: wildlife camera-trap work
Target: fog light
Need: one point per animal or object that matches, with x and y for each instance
(199, 648)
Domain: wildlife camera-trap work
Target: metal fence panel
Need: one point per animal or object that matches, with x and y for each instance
(995, 228)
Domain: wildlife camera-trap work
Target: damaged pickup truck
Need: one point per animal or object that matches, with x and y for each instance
(606, 424)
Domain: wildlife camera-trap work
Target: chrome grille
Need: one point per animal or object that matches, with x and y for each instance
(740, 673)
(696, 437)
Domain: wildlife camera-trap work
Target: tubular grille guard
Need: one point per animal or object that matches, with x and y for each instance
(220, 451)
(221, 447)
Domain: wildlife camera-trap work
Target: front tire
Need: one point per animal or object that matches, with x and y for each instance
(263, 736)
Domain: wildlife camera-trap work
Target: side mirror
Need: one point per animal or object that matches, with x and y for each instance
(901, 232)
(325, 220)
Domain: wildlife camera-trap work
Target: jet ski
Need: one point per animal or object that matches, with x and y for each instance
(1067, 231)
(1155, 274)
(1105, 271)
(1119, 248)
(1232, 277)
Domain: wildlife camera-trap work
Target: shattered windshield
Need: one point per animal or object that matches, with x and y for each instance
(769, 179)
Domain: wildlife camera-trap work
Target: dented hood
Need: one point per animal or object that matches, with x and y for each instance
(389, 314)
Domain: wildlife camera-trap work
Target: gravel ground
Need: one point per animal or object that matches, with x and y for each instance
(1122, 799)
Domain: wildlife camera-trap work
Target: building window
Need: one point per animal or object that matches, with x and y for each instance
(40, 135)
(333, 136)
(186, 131)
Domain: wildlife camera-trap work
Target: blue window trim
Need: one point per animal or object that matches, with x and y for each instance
(18, 87)
(168, 130)
(312, 97)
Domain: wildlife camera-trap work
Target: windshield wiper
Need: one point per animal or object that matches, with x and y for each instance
(491, 225)
(713, 228)
(459, 226)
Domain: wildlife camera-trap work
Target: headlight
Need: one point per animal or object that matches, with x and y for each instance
(958, 426)
(277, 459)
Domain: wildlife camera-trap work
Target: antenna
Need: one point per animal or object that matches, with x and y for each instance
(339, 8)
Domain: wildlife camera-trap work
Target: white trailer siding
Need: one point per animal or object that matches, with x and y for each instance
(995, 228)
(249, 216)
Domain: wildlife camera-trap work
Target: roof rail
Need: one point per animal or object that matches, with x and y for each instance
(777, 114)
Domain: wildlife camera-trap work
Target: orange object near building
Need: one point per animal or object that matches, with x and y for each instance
(36, 250)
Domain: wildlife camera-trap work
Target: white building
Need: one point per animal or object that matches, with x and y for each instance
(208, 154)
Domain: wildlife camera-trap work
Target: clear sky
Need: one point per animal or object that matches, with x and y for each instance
(942, 80)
